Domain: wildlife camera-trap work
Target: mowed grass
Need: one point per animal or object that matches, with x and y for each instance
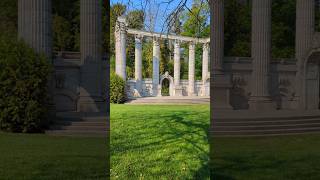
(30, 156)
(294, 157)
(159, 142)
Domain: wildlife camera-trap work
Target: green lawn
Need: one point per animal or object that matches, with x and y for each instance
(25, 156)
(294, 157)
(159, 142)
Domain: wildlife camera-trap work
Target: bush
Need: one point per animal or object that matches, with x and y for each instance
(117, 89)
(23, 87)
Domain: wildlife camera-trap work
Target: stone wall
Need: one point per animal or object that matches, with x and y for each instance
(281, 83)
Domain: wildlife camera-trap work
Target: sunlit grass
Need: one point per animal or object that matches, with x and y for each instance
(159, 142)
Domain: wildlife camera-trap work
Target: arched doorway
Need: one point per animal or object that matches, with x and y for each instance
(166, 85)
(311, 81)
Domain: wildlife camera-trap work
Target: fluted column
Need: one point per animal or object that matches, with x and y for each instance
(156, 66)
(261, 53)
(217, 35)
(34, 24)
(177, 63)
(305, 22)
(91, 60)
(191, 68)
(205, 61)
(138, 61)
(120, 38)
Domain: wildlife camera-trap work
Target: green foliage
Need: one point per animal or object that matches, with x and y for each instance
(8, 17)
(165, 88)
(117, 89)
(62, 37)
(23, 87)
(147, 59)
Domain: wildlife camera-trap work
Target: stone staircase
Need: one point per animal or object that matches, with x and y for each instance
(171, 100)
(286, 123)
(79, 124)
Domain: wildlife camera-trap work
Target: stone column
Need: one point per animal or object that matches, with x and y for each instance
(261, 54)
(205, 61)
(91, 60)
(176, 63)
(34, 24)
(191, 68)
(138, 62)
(120, 38)
(305, 22)
(217, 35)
(156, 66)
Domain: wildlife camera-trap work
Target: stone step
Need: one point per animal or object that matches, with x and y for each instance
(79, 124)
(265, 132)
(265, 127)
(170, 100)
(265, 123)
(86, 133)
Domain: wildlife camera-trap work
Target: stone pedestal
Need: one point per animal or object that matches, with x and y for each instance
(220, 92)
(178, 90)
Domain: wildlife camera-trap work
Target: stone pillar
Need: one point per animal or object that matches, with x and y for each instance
(91, 60)
(217, 35)
(34, 24)
(138, 62)
(261, 54)
(120, 43)
(205, 61)
(205, 65)
(191, 68)
(305, 22)
(156, 66)
(176, 63)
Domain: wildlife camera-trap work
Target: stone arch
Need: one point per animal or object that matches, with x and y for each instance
(171, 83)
(65, 100)
(310, 80)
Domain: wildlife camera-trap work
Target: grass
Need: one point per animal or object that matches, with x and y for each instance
(159, 142)
(293, 157)
(31, 156)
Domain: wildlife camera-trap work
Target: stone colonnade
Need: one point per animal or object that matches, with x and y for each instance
(121, 32)
(35, 28)
(260, 50)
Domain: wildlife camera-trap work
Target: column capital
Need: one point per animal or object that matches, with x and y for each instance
(138, 36)
(206, 46)
(121, 25)
(192, 45)
(155, 41)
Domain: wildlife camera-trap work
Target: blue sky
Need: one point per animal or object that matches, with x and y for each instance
(160, 10)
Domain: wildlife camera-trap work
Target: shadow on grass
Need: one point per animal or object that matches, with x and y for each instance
(183, 128)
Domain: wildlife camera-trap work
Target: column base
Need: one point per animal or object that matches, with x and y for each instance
(220, 88)
(178, 91)
(261, 104)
